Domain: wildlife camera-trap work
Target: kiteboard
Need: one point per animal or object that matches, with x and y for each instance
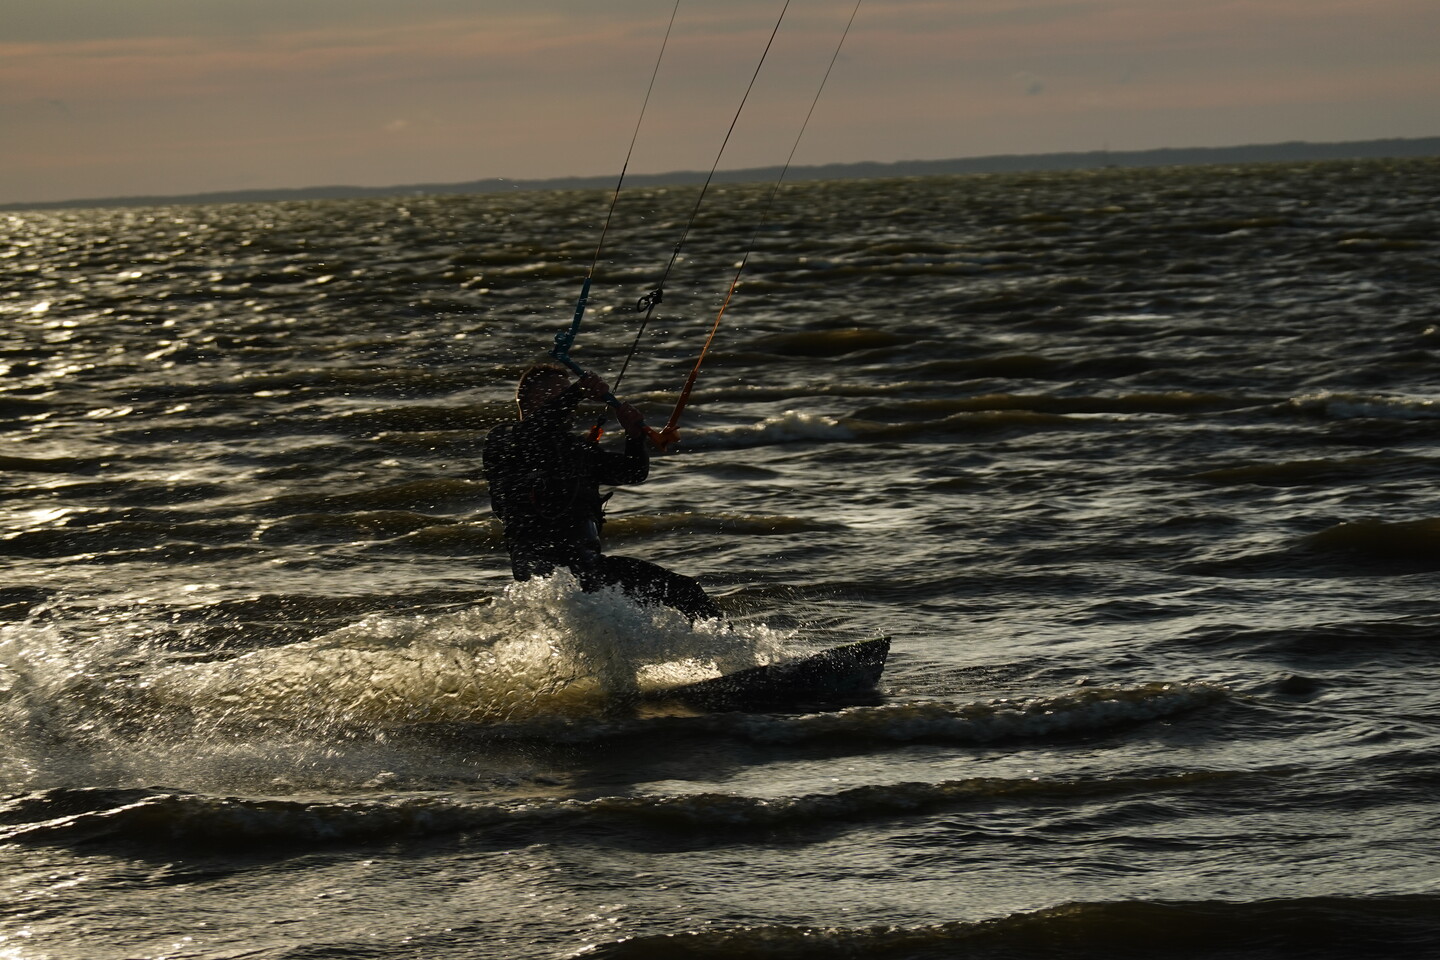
(847, 674)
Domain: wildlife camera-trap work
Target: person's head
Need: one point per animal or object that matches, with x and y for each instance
(539, 384)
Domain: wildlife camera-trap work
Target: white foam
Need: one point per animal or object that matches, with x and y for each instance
(82, 709)
(1344, 406)
(1071, 713)
(542, 649)
(792, 426)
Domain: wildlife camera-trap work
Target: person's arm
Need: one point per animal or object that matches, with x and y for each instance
(632, 466)
(560, 409)
(497, 464)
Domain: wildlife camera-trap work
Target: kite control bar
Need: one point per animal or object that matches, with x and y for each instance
(561, 352)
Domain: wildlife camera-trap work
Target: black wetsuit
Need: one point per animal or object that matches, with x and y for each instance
(545, 488)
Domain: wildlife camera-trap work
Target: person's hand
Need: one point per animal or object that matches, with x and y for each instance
(630, 418)
(593, 386)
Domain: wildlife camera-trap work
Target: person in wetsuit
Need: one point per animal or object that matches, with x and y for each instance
(545, 487)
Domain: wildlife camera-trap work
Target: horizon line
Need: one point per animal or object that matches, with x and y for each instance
(1282, 151)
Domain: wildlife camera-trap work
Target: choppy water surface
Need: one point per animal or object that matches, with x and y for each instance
(1136, 467)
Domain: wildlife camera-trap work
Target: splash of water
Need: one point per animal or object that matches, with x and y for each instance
(544, 651)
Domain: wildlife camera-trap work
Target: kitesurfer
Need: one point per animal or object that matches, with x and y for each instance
(545, 487)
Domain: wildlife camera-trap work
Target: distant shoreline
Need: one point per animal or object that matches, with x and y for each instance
(1288, 152)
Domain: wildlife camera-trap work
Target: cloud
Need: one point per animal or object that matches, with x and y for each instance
(1032, 84)
(182, 95)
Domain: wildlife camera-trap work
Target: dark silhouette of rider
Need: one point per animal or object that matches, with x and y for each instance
(545, 484)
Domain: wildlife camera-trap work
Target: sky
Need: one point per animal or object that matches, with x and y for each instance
(113, 98)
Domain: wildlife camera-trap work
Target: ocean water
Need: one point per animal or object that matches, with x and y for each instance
(1136, 467)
